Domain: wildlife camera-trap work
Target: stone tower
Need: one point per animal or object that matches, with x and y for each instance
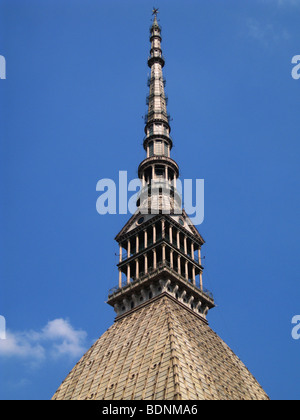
(160, 346)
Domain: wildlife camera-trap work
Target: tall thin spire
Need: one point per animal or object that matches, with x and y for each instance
(157, 100)
(158, 168)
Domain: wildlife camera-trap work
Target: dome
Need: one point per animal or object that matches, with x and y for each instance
(160, 351)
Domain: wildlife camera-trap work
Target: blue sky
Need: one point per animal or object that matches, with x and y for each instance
(71, 114)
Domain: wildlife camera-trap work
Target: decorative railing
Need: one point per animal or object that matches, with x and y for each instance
(159, 57)
(160, 95)
(153, 271)
(152, 79)
(164, 136)
(157, 112)
(158, 158)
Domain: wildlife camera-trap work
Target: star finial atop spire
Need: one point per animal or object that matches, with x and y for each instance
(155, 11)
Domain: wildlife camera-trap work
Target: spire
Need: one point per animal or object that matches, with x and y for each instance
(157, 100)
(158, 167)
(155, 23)
(162, 248)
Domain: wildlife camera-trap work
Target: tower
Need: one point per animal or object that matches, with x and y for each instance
(160, 346)
(160, 249)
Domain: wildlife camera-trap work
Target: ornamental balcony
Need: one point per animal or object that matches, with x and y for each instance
(156, 58)
(158, 159)
(159, 136)
(152, 274)
(157, 115)
(162, 266)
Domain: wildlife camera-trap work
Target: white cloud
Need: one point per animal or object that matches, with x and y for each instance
(69, 340)
(21, 345)
(58, 338)
(283, 3)
(269, 28)
(266, 33)
(288, 2)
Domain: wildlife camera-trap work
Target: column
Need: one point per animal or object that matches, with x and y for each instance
(128, 273)
(201, 281)
(171, 234)
(154, 259)
(120, 278)
(171, 258)
(167, 173)
(199, 255)
(164, 253)
(193, 250)
(137, 244)
(186, 270)
(120, 254)
(137, 271)
(154, 234)
(146, 263)
(146, 238)
(179, 264)
(128, 249)
(178, 239)
(185, 244)
(153, 172)
(194, 275)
